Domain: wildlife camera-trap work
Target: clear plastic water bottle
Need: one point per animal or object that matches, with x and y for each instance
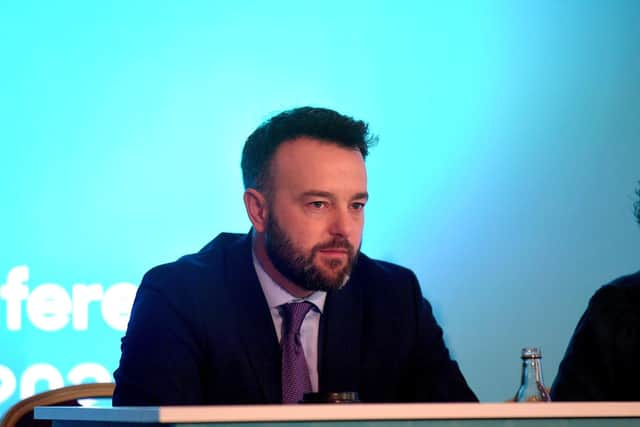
(532, 387)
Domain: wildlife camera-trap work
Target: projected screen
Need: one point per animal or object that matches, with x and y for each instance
(504, 176)
(59, 334)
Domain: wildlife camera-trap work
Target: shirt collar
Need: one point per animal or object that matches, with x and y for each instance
(276, 295)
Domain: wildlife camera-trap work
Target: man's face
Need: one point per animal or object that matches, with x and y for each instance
(316, 212)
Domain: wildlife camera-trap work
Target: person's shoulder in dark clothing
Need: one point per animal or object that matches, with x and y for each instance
(601, 360)
(390, 288)
(166, 319)
(624, 292)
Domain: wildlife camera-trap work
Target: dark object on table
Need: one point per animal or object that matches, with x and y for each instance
(332, 397)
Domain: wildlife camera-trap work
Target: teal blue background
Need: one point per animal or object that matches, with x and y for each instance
(505, 174)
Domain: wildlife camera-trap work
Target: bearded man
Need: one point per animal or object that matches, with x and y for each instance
(294, 306)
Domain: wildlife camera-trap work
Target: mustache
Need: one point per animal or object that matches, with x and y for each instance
(335, 243)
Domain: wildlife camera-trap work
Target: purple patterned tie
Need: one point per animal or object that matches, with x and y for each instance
(295, 372)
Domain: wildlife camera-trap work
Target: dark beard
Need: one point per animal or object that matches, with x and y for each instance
(300, 269)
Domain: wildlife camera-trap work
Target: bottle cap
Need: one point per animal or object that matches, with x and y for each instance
(531, 353)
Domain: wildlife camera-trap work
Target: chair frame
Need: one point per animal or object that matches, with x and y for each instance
(55, 396)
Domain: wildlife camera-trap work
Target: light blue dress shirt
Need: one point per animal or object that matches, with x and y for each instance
(276, 296)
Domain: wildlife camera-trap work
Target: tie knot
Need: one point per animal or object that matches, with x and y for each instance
(293, 314)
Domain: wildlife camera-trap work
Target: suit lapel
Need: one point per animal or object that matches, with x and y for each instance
(254, 319)
(341, 335)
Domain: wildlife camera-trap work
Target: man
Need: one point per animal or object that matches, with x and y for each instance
(602, 360)
(293, 306)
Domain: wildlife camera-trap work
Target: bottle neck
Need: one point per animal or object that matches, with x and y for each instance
(531, 371)
(532, 387)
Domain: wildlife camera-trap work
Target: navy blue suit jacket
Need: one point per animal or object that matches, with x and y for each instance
(603, 356)
(201, 333)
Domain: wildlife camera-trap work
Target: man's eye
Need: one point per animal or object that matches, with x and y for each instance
(358, 206)
(317, 205)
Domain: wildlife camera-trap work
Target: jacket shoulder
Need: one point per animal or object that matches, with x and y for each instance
(386, 278)
(198, 267)
(622, 292)
(383, 269)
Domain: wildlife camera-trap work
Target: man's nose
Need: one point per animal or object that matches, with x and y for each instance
(342, 223)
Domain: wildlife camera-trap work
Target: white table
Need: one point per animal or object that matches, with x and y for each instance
(609, 414)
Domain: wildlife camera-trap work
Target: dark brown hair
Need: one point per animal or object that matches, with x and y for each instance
(320, 123)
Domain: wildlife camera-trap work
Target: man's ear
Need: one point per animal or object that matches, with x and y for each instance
(257, 209)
